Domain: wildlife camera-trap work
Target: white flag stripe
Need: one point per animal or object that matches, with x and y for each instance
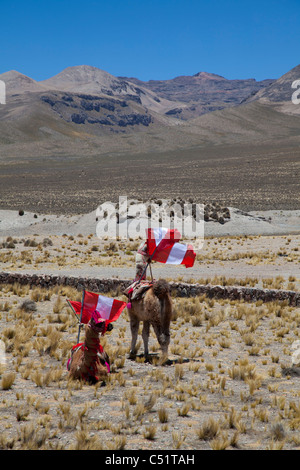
(159, 234)
(177, 253)
(104, 306)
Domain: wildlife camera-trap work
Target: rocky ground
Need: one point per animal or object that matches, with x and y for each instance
(228, 383)
(261, 249)
(223, 388)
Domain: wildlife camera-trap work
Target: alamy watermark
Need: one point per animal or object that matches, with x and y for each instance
(129, 219)
(2, 92)
(296, 94)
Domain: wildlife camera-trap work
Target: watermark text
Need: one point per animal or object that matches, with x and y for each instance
(296, 94)
(129, 219)
(2, 92)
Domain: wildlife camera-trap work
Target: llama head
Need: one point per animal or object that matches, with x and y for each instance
(100, 324)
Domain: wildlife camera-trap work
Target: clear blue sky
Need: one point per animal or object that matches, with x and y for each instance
(157, 39)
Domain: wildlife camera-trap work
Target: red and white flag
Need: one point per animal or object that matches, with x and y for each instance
(163, 246)
(107, 308)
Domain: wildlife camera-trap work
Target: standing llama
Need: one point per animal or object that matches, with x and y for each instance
(154, 308)
(88, 360)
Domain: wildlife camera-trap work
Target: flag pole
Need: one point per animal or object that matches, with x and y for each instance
(71, 307)
(148, 264)
(151, 271)
(79, 328)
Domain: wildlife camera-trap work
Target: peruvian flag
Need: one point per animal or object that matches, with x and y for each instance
(108, 308)
(163, 246)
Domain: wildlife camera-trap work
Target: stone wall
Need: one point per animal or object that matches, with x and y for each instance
(180, 289)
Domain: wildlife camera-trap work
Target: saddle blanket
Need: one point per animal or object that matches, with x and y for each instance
(82, 346)
(137, 289)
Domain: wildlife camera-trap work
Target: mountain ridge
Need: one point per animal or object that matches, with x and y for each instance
(183, 97)
(202, 93)
(89, 103)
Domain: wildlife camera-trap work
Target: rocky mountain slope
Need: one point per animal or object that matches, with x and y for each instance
(279, 93)
(80, 101)
(17, 83)
(202, 93)
(279, 90)
(84, 103)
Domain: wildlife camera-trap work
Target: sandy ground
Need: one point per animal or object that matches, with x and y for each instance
(250, 245)
(276, 222)
(248, 176)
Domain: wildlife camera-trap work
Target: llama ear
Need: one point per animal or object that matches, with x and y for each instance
(96, 317)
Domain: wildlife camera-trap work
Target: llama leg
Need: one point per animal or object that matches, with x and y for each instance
(145, 336)
(76, 364)
(134, 326)
(163, 338)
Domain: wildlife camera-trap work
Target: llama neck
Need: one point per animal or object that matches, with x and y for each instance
(92, 346)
